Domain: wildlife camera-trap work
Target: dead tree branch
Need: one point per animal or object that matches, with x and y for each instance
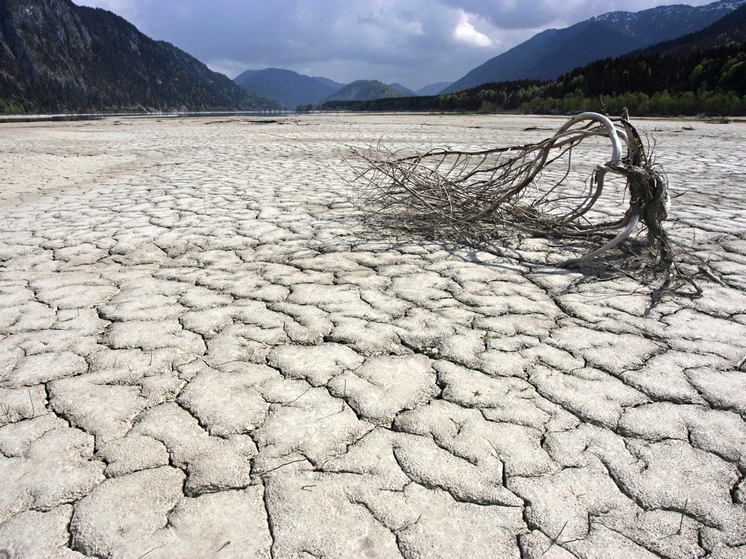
(525, 187)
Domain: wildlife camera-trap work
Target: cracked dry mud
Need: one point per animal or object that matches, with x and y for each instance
(204, 354)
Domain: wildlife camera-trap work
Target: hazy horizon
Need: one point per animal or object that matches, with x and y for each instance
(412, 42)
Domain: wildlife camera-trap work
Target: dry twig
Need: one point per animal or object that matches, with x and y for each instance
(517, 188)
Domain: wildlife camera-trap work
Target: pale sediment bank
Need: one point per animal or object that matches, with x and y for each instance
(203, 353)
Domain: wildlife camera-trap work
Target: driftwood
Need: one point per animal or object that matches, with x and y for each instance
(518, 186)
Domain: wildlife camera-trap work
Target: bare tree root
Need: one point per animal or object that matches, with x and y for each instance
(526, 189)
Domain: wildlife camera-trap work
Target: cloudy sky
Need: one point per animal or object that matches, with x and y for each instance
(413, 42)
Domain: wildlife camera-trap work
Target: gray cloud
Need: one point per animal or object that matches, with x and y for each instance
(414, 42)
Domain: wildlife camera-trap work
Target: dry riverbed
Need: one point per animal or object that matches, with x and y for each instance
(204, 353)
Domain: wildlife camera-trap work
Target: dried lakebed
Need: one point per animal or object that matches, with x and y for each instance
(204, 354)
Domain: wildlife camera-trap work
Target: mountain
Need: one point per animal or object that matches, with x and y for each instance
(400, 87)
(668, 22)
(287, 87)
(556, 51)
(59, 57)
(712, 60)
(433, 88)
(364, 90)
(466, 100)
(729, 29)
(239, 79)
(331, 83)
(702, 73)
(575, 51)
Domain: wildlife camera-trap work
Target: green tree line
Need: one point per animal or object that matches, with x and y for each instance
(710, 82)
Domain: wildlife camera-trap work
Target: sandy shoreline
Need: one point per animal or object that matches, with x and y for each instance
(202, 353)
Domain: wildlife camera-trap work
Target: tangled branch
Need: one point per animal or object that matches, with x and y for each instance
(523, 187)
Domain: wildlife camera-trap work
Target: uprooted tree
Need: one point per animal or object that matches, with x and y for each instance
(522, 187)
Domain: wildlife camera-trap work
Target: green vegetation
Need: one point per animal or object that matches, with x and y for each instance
(11, 107)
(709, 82)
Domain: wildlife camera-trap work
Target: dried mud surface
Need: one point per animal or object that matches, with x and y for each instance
(203, 353)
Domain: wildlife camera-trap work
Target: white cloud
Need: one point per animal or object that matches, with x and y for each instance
(465, 33)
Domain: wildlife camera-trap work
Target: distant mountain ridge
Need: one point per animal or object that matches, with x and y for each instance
(285, 86)
(56, 56)
(664, 23)
(244, 76)
(556, 51)
(433, 88)
(331, 83)
(293, 89)
(730, 28)
(400, 87)
(365, 90)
